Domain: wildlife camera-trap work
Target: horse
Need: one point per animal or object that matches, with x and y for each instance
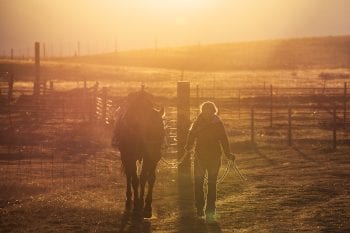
(138, 134)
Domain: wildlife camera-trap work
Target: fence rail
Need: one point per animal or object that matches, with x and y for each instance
(268, 114)
(259, 118)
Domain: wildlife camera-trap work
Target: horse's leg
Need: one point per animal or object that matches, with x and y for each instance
(126, 170)
(135, 186)
(128, 200)
(151, 180)
(143, 179)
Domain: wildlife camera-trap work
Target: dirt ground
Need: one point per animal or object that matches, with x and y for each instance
(288, 189)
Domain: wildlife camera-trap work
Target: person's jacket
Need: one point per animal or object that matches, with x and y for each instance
(209, 136)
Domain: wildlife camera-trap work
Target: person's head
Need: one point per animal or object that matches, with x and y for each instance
(208, 109)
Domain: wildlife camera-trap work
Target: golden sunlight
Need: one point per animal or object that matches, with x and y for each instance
(177, 4)
(174, 116)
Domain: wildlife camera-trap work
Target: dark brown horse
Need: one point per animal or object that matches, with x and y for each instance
(138, 134)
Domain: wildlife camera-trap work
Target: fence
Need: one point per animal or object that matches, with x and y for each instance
(33, 166)
(256, 116)
(269, 110)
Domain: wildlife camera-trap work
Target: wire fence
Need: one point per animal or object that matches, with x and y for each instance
(288, 116)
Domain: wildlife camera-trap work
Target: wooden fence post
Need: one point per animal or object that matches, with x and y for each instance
(239, 104)
(252, 134)
(334, 128)
(289, 126)
(183, 123)
(37, 69)
(104, 104)
(10, 90)
(197, 96)
(345, 102)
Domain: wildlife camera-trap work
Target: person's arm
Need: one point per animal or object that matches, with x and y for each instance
(225, 143)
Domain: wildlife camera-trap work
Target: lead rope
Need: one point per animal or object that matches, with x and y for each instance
(241, 176)
(175, 164)
(220, 179)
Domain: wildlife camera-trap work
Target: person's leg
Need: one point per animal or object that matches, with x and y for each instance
(213, 169)
(199, 172)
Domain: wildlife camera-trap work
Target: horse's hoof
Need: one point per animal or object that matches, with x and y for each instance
(136, 206)
(147, 212)
(142, 203)
(128, 204)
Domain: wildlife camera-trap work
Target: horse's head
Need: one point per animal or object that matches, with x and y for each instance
(140, 100)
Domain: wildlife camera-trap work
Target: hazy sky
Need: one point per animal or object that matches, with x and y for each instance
(100, 25)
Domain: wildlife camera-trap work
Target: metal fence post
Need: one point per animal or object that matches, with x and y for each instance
(252, 134)
(37, 69)
(334, 128)
(271, 108)
(289, 126)
(345, 102)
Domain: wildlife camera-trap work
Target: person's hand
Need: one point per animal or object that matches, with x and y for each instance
(231, 157)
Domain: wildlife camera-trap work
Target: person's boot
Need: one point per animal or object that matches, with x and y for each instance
(210, 217)
(200, 213)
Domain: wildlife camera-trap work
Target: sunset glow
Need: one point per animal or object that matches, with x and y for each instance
(101, 26)
(188, 116)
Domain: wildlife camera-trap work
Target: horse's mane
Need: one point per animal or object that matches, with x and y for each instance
(138, 119)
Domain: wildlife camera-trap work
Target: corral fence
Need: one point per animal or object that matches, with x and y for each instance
(253, 109)
(317, 116)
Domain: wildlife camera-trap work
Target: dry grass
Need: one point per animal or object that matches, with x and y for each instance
(162, 82)
(288, 189)
(62, 175)
(301, 53)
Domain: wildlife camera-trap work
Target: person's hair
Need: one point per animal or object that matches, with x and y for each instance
(208, 106)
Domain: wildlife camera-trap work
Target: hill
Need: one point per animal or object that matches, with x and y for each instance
(299, 53)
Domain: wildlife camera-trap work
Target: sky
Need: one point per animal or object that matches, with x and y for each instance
(109, 25)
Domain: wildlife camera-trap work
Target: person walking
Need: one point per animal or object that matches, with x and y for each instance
(210, 135)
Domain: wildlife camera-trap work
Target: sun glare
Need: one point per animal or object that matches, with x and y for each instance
(177, 4)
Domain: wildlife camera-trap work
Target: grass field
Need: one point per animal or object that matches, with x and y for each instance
(298, 53)
(59, 173)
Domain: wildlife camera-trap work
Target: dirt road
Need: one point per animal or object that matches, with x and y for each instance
(288, 190)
